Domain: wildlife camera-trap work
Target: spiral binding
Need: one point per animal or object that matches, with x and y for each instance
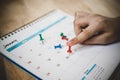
(25, 26)
(19, 29)
(16, 31)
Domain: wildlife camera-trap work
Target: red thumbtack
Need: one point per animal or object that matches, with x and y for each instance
(69, 49)
(64, 38)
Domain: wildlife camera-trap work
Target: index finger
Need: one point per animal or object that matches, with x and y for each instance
(83, 36)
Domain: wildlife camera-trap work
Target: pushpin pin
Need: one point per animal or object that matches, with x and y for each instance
(58, 46)
(48, 74)
(41, 38)
(69, 49)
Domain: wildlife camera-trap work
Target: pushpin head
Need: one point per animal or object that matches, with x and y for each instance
(41, 38)
(61, 34)
(58, 46)
(64, 38)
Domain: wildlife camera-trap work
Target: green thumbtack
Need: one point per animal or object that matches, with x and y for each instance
(61, 34)
(41, 38)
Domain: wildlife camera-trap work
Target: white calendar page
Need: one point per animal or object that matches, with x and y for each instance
(42, 60)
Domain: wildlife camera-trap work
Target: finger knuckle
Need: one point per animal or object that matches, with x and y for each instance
(77, 12)
(86, 32)
(100, 19)
(76, 22)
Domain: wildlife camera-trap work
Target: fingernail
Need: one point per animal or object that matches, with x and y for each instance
(69, 43)
(72, 42)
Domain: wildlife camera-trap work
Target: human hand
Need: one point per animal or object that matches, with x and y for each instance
(95, 29)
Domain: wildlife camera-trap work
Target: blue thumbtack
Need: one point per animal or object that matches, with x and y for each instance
(58, 46)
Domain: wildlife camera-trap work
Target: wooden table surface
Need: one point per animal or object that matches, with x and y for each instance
(15, 13)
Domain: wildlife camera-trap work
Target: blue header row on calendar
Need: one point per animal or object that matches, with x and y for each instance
(37, 33)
